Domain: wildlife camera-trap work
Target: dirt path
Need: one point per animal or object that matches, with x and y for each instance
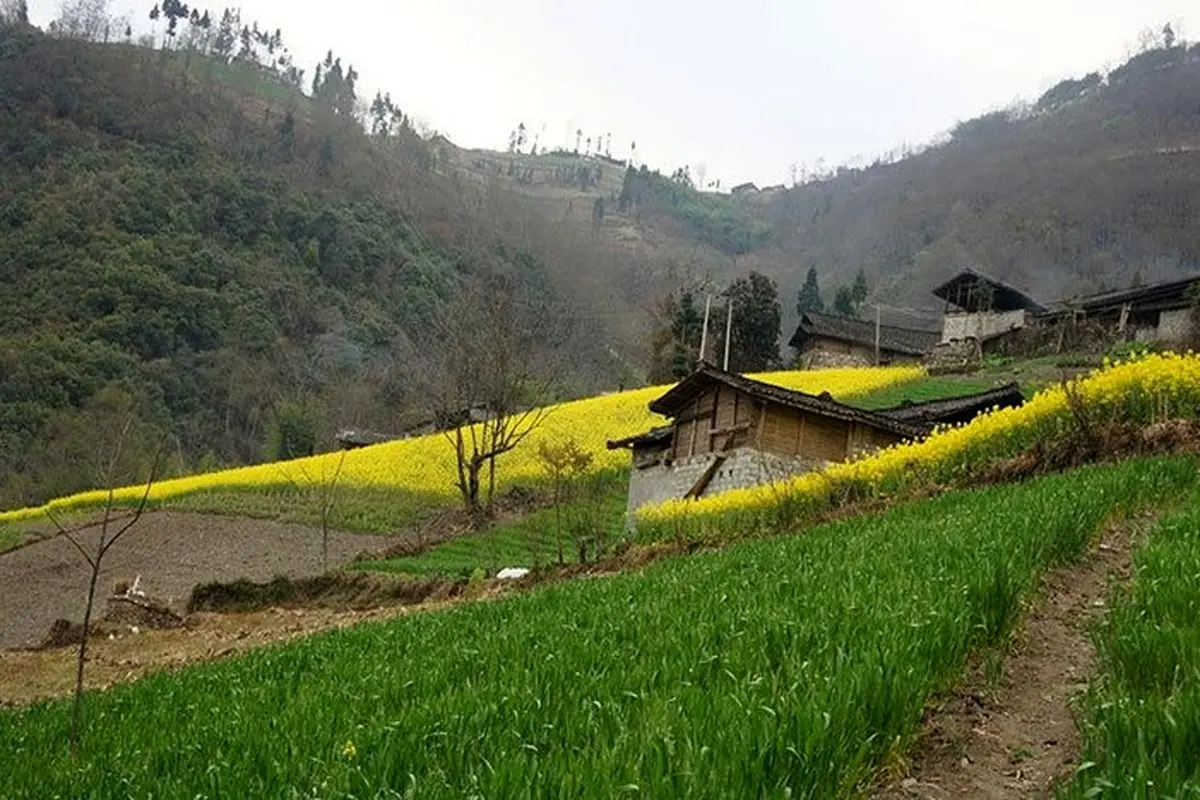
(171, 551)
(1016, 736)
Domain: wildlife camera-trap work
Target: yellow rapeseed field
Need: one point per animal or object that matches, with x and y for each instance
(1155, 387)
(426, 464)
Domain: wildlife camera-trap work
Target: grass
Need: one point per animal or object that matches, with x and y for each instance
(9, 538)
(528, 541)
(782, 667)
(921, 390)
(1141, 719)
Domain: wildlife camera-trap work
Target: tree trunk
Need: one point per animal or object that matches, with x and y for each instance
(77, 708)
(472, 492)
(558, 532)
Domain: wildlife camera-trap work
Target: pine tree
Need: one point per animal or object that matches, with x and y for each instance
(809, 298)
(686, 331)
(859, 292)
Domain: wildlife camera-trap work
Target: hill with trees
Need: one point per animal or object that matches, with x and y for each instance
(248, 256)
(254, 255)
(1090, 186)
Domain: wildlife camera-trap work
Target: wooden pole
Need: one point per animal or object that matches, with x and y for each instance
(704, 333)
(728, 334)
(877, 334)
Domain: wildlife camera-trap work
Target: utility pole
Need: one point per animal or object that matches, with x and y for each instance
(728, 334)
(877, 334)
(704, 333)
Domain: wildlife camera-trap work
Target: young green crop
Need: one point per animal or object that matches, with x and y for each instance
(781, 667)
(527, 541)
(1142, 717)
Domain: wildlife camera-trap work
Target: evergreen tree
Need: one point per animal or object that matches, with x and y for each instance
(754, 342)
(843, 302)
(686, 330)
(859, 291)
(226, 37)
(809, 298)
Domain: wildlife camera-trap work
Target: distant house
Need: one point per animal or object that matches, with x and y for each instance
(1158, 312)
(743, 189)
(354, 438)
(729, 431)
(829, 340)
(982, 308)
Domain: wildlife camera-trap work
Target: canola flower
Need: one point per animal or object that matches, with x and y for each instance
(1151, 388)
(426, 464)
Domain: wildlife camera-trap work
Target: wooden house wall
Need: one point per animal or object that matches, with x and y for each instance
(865, 437)
(721, 409)
(738, 419)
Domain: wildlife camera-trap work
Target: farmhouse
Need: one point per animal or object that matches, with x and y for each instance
(982, 308)
(826, 340)
(1159, 312)
(729, 431)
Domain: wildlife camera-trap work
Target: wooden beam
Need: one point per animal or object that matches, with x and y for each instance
(742, 426)
(706, 478)
(695, 414)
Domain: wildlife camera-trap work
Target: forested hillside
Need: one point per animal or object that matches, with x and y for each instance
(1093, 184)
(182, 230)
(254, 256)
(1090, 186)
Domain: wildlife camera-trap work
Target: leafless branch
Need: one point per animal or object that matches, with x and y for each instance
(69, 536)
(141, 506)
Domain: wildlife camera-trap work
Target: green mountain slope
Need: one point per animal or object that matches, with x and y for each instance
(1084, 189)
(208, 244)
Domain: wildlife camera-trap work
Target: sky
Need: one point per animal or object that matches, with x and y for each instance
(741, 90)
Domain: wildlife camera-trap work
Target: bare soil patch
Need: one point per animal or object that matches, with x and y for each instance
(119, 655)
(173, 552)
(1014, 735)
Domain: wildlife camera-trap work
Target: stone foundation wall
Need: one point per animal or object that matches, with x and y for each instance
(742, 467)
(1174, 326)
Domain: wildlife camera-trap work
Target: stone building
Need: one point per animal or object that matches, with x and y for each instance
(827, 340)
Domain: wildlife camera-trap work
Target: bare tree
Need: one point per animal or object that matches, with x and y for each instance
(95, 556)
(90, 20)
(13, 12)
(325, 488)
(488, 364)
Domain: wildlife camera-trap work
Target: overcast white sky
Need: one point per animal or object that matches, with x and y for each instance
(747, 88)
